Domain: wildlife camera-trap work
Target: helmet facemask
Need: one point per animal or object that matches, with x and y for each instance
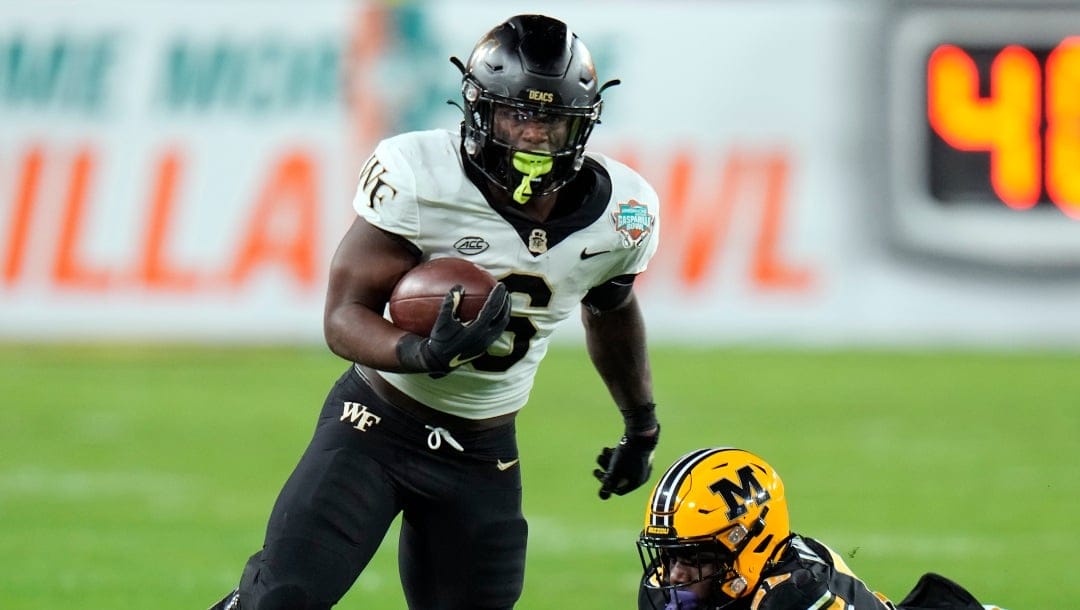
(712, 560)
(521, 170)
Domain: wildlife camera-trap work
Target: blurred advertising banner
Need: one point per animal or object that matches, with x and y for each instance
(832, 172)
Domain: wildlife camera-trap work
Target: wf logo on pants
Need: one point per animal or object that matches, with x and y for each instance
(359, 416)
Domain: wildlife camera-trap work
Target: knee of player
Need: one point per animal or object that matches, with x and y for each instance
(283, 597)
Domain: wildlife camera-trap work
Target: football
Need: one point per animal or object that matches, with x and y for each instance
(415, 302)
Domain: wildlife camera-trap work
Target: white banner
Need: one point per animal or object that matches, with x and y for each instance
(183, 171)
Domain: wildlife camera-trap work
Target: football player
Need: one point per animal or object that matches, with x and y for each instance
(717, 536)
(424, 426)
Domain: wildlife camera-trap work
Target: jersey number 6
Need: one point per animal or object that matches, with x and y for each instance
(520, 326)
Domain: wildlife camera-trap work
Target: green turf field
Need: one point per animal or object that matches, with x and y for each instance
(142, 477)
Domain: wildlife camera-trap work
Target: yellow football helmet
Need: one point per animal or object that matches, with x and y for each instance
(721, 511)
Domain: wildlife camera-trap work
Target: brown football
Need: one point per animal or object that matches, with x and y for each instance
(415, 302)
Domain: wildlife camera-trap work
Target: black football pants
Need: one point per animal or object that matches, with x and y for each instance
(463, 535)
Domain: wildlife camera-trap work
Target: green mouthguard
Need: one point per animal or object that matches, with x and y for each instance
(532, 166)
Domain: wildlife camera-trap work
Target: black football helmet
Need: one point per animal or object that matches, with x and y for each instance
(535, 67)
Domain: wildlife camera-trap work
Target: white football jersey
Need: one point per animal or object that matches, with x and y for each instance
(415, 186)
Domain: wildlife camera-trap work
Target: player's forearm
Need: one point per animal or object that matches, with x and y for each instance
(358, 334)
(617, 347)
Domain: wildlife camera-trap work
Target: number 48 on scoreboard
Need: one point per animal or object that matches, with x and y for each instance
(1021, 105)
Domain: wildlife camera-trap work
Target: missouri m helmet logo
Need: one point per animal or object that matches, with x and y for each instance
(738, 495)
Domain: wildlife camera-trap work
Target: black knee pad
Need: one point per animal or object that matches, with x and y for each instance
(285, 597)
(258, 592)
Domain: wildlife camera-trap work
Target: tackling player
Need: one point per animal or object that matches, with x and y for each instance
(717, 536)
(424, 426)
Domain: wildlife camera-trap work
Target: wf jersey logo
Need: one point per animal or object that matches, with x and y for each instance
(359, 416)
(737, 495)
(634, 222)
(371, 181)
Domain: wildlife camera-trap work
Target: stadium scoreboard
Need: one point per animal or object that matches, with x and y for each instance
(982, 103)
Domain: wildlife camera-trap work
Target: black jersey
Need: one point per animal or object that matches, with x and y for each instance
(811, 575)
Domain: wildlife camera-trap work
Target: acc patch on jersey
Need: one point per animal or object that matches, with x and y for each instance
(634, 222)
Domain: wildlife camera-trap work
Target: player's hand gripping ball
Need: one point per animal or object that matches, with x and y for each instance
(453, 311)
(419, 295)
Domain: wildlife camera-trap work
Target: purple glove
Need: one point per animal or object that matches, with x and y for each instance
(682, 599)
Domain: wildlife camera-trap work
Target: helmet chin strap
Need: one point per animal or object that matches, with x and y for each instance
(532, 166)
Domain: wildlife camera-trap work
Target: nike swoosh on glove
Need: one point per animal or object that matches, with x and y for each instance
(453, 342)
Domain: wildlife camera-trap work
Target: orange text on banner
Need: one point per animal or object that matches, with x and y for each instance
(697, 221)
(281, 233)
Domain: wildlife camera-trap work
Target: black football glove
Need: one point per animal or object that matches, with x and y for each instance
(452, 342)
(626, 466)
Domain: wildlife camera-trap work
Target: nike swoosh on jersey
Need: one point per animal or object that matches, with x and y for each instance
(586, 254)
(501, 465)
(457, 360)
